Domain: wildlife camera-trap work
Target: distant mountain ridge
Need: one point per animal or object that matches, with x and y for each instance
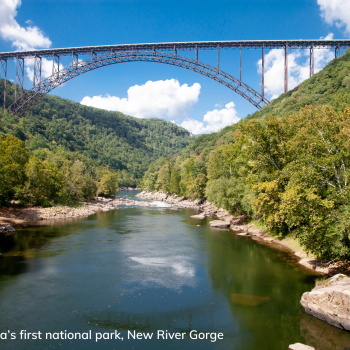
(109, 138)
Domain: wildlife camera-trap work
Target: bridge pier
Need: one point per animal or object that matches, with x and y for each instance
(218, 57)
(56, 66)
(75, 58)
(19, 77)
(262, 71)
(3, 75)
(37, 71)
(286, 68)
(311, 61)
(240, 64)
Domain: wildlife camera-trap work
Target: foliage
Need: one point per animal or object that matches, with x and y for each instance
(43, 184)
(125, 144)
(107, 184)
(289, 170)
(13, 158)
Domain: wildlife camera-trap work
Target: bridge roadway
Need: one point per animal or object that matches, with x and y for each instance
(104, 55)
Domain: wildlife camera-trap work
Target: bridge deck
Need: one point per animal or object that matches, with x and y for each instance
(183, 46)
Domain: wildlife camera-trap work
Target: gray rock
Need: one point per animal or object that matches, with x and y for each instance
(330, 302)
(199, 216)
(243, 234)
(299, 346)
(9, 228)
(240, 228)
(256, 232)
(219, 224)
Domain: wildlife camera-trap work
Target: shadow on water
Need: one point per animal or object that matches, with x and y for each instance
(148, 269)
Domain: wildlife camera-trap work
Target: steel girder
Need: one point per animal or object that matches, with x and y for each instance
(186, 46)
(78, 68)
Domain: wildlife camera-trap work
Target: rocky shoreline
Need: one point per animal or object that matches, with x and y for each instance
(242, 228)
(10, 217)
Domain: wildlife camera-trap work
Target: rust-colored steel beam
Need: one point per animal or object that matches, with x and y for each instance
(286, 68)
(37, 70)
(19, 78)
(262, 71)
(3, 77)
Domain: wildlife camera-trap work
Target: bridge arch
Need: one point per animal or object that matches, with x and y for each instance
(78, 68)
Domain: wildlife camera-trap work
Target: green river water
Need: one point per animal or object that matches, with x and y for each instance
(153, 270)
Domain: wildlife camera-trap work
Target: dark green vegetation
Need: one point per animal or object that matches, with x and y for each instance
(63, 177)
(126, 144)
(287, 165)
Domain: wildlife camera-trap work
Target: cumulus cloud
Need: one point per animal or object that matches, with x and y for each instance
(154, 99)
(213, 120)
(46, 68)
(298, 67)
(336, 12)
(22, 38)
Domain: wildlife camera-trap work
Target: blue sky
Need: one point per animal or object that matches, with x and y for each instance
(149, 89)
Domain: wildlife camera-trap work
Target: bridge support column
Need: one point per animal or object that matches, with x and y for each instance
(19, 78)
(37, 71)
(286, 68)
(196, 53)
(56, 66)
(75, 58)
(175, 52)
(311, 61)
(3, 75)
(240, 64)
(218, 57)
(337, 51)
(262, 71)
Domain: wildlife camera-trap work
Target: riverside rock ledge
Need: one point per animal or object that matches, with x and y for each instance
(330, 302)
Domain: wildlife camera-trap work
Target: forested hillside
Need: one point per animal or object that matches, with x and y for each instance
(126, 144)
(331, 86)
(287, 165)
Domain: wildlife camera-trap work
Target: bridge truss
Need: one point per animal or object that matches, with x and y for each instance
(100, 56)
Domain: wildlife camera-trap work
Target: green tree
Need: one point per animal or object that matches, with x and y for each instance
(13, 158)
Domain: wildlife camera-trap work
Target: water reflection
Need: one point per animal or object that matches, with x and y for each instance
(146, 269)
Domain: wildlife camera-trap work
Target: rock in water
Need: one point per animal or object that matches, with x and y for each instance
(299, 346)
(330, 302)
(199, 216)
(248, 300)
(219, 224)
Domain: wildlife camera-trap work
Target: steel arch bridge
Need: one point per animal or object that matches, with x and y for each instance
(102, 56)
(78, 68)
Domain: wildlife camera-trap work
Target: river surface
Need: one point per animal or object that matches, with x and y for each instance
(152, 270)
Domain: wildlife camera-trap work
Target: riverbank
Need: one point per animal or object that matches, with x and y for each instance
(13, 216)
(241, 227)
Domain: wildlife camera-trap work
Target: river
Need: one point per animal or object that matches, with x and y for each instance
(133, 271)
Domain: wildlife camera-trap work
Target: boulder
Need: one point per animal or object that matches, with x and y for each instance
(9, 228)
(199, 201)
(256, 232)
(299, 346)
(330, 302)
(199, 216)
(240, 228)
(219, 224)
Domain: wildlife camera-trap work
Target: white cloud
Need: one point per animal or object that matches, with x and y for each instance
(46, 68)
(213, 120)
(27, 38)
(298, 67)
(336, 12)
(154, 99)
